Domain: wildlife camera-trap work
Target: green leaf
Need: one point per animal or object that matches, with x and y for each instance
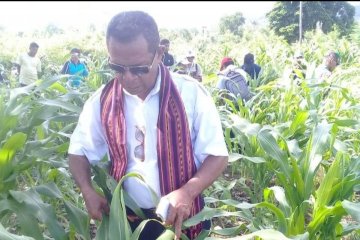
(298, 121)
(32, 203)
(208, 213)
(279, 195)
(103, 232)
(14, 143)
(64, 105)
(352, 208)
(323, 193)
(5, 235)
(29, 225)
(265, 234)
(167, 235)
(268, 143)
(79, 219)
(49, 189)
(232, 231)
(233, 157)
(316, 147)
(346, 122)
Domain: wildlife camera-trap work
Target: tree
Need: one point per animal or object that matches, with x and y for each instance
(284, 18)
(232, 23)
(52, 29)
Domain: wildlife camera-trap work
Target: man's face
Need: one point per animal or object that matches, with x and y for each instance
(332, 63)
(33, 51)
(128, 58)
(167, 47)
(75, 57)
(190, 59)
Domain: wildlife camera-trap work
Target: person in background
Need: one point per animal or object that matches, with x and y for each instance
(28, 65)
(193, 68)
(161, 125)
(299, 67)
(76, 68)
(233, 79)
(182, 67)
(167, 59)
(250, 67)
(330, 62)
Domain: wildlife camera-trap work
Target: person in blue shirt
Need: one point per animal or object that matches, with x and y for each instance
(76, 68)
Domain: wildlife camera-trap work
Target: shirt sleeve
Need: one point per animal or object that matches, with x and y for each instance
(88, 138)
(65, 68)
(221, 83)
(209, 138)
(18, 60)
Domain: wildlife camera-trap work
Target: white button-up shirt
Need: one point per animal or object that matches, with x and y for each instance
(206, 133)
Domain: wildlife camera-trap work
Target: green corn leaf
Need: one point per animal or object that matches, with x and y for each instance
(268, 143)
(5, 235)
(33, 204)
(352, 208)
(79, 219)
(103, 231)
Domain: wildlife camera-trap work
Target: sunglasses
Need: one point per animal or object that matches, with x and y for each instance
(135, 70)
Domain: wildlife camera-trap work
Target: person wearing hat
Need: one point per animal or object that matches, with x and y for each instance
(193, 68)
(76, 68)
(323, 71)
(182, 67)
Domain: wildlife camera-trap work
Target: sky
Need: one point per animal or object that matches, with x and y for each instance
(28, 16)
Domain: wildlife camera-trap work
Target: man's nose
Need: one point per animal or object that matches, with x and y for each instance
(127, 75)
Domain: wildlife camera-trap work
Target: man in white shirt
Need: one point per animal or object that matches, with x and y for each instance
(28, 65)
(163, 126)
(193, 68)
(324, 71)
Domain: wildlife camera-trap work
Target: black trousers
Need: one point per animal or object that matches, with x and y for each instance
(152, 230)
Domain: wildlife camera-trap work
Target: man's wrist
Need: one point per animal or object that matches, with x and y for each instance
(191, 189)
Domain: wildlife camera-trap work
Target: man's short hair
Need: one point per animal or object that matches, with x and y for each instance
(127, 26)
(333, 55)
(75, 50)
(249, 58)
(34, 44)
(164, 41)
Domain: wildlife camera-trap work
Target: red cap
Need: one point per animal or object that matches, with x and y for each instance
(225, 61)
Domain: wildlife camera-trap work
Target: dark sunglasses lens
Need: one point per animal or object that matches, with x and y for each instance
(139, 70)
(117, 68)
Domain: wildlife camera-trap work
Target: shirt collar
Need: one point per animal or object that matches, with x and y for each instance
(155, 90)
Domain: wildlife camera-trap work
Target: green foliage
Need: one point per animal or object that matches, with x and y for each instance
(232, 23)
(284, 18)
(294, 146)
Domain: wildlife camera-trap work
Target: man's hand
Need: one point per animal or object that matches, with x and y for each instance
(179, 209)
(181, 199)
(96, 205)
(80, 169)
